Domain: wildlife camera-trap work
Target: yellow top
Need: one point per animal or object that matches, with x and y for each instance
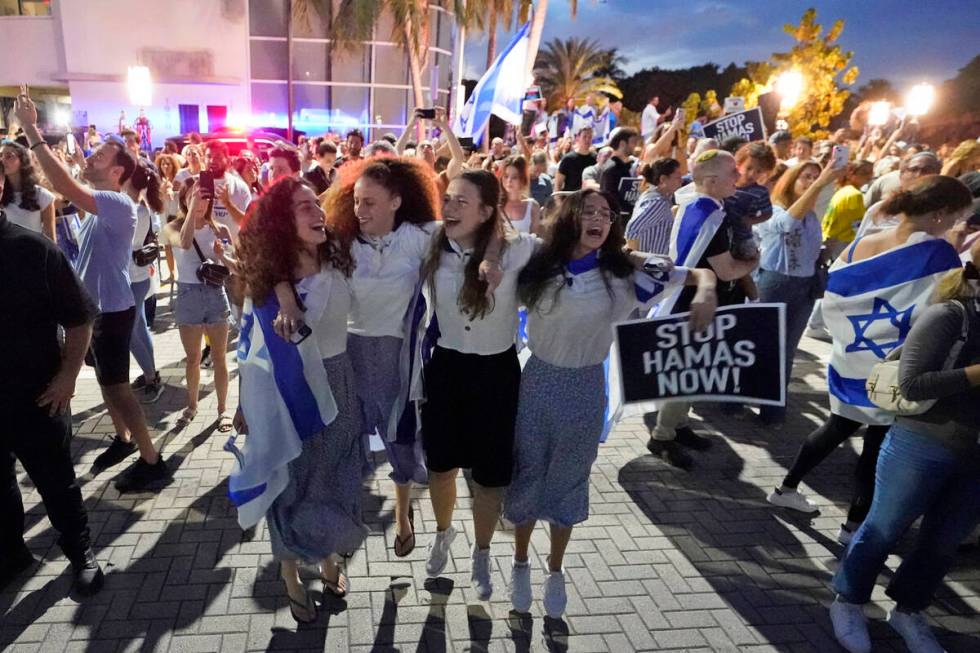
(844, 214)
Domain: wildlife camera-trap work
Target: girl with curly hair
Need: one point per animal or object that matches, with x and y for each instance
(384, 211)
(24, 200)
(318, 514)
(576, 286)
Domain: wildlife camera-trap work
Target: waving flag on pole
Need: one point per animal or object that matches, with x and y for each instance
(498, 92)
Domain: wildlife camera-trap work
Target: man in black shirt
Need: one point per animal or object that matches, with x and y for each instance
(40, 291)
(618, 167)
(570, 167)
(324, 173)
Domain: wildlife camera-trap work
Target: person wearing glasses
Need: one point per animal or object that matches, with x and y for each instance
(579, 282)
(915, 167)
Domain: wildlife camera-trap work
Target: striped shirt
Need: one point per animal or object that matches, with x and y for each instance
(650, 223)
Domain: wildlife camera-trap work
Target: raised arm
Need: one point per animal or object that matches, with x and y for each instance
(407, 134)
(59, 176)
(802, 206)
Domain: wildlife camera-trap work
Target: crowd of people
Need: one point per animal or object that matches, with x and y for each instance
(459, 306)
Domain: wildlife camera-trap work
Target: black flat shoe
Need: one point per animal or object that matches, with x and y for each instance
(671, 453)
(405, 545)
(309, 607)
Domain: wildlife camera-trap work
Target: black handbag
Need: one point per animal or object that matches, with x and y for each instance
(150, 250)
(209, 272)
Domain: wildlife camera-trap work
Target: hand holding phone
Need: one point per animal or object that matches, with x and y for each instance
(840, 156)
(206, 183)
(70, 143)
(426, 114)
(679, 116)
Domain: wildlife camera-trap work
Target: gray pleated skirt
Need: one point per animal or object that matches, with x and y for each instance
(560, 416)
(377, 384)
(319, 512)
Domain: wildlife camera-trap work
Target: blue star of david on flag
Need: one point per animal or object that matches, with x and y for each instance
(881, 311)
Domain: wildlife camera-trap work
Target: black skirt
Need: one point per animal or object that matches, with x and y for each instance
(469, 413)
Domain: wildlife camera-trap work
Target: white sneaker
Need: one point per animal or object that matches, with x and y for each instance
(480, 574)
(520, 586)
(439, 552)
(850, 626)
(915, 631)
(792, 499)
(555, 598)
(845, 535)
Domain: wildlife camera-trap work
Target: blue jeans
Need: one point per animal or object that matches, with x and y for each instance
(141, 344)
(795, 292)
(916, 476)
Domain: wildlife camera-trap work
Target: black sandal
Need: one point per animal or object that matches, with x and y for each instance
(310, 607)
(402, 542)
(333, 586)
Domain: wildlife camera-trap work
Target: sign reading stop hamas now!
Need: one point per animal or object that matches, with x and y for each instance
(744, 124)
(739, 357)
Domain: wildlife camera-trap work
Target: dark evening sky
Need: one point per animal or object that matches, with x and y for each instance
(903, 41)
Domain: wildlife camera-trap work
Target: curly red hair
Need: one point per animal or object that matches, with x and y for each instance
(268, 245)
(410, 179)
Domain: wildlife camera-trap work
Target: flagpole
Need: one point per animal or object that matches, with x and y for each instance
(455, 91)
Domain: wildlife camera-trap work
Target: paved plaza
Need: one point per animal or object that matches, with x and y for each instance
(669, 560)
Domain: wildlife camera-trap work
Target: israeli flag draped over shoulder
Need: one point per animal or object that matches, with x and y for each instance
(870, 306)
(285, 397)
(697, 222)
(500, 91)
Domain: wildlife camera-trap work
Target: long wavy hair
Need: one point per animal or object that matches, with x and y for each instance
(174, 165)
(268, 246)
(546, 268)
(28, 181)
(145, 178)
(784, 192)
(410, 179)
(472, 298)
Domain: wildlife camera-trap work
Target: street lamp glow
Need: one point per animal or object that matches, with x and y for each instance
(879, 113)
(140, 86)
(919, 99)
(789, 86)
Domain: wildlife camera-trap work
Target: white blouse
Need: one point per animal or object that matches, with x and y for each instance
(330, 327)
(386, 272)
(29, 219)
(497, 330)
(574, 329)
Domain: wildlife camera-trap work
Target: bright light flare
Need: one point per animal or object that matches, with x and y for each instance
(789, 86)
(879, 113)
(140, 86)
(62, 118)
(919, 99)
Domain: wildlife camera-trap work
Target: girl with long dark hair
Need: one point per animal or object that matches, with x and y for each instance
(24, 200)
(576, 286)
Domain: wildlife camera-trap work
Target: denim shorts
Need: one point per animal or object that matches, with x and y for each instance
(199, 303)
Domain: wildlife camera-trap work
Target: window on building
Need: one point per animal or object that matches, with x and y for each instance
(25, 7)
(267, 17)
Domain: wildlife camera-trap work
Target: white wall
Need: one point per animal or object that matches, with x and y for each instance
(34, 35)
(218, 26)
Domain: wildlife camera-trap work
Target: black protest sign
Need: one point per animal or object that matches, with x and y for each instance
(739, 357)
(628, 192)
(744, 124)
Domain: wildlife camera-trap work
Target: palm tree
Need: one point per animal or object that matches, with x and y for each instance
(573, 68)
(537, 26)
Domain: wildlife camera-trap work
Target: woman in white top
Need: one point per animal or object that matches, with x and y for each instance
(193, 164)
(384, 211)
(521, 211)
(318, 514)
(144, 189)
(168, 166)
(471, 381)
(25, 202)
(576, 286)
(201, 308)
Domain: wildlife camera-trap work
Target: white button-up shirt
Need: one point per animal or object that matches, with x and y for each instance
(386, 273)
(497, 330)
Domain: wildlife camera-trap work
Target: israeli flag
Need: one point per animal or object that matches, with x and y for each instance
(869, 307)
(500, 91)
(285, 397)
(697, 222)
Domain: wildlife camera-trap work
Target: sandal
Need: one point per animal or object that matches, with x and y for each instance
(188, 415)
(333, 586)
(225, 423)
(405, 545)
(309, 606)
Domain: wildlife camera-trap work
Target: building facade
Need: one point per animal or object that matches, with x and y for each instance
(213, 63)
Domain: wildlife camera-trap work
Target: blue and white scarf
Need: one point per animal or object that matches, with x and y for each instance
(285, 398)
(869, 307)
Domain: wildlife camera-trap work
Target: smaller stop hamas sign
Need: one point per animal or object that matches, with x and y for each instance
(739, 357)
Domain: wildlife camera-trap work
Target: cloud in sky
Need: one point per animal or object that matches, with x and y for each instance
(905, 42)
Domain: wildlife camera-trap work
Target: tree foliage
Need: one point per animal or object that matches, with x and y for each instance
(674, 86)
(573, 68)
(824, 66)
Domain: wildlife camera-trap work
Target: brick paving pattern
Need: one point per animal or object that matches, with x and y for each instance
(667, 561)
